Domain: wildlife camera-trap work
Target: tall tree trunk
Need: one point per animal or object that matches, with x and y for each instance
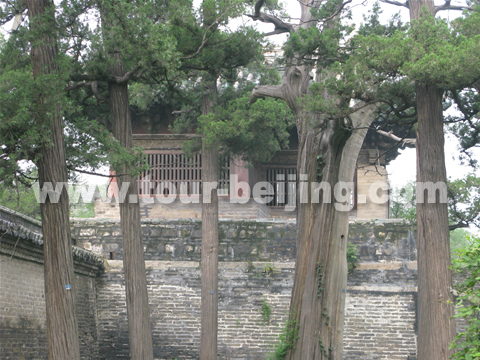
(328, 155)
(138, 309)
(62, 329)
(318, 299)
(210, 171)
(436, 329)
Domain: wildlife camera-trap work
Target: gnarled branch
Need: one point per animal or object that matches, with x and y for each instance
(280, 25)
(263, 91)
(458, 226)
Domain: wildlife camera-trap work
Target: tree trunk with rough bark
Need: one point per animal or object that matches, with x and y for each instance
(436, 329)
(318, 298)
(210, 174)
(62, 328)
(328, 155)
(138, 309)
(136, 291)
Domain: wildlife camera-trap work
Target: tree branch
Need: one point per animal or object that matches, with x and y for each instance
(97, 174)
(93, 86)
(123, 79)
(447, 6)
(263, 91)
(202, 45)
(457, 226)
(391, 135)
(176, 112)
(280, 26)
(396, 3)
(337, 12)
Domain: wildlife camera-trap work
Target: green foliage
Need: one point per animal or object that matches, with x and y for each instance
(464, 201)
(269, 269)
(459, 239)
(372, 24)
(319, 45)
(88, 142)
(383, 62)
(255, 132)
(467, 342)
(17, 194)
(319, 271)
(286, 340)
(234, 60)
(266, 311)
(403, 203)
(352, 257)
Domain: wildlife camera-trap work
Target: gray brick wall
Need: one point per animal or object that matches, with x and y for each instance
(174, 295)
(180, 240)
(22, 311)
(379, 324)
(381, 302)
(381, 293)
(22, 296)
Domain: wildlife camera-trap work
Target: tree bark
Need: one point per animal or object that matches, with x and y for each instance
(318, 297)
(210, 173)
(62, 328)
(436, 329)
(138, 309)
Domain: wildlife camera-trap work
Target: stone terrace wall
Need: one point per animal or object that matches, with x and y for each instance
(180, 240)
(381, 293)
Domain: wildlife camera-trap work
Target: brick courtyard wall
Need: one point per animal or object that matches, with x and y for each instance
(22, 296)
(381, 293)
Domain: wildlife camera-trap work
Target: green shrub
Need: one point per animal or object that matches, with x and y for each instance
(287, 340)
(352, 257)
(467, 343)
(266, 311)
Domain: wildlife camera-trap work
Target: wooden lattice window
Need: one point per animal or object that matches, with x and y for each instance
(284, 185)
(172, 169)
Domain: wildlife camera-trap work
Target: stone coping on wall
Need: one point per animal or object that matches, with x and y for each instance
(21, 237)
(376, 222)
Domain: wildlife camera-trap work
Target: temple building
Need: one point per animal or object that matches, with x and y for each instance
(176, 179)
